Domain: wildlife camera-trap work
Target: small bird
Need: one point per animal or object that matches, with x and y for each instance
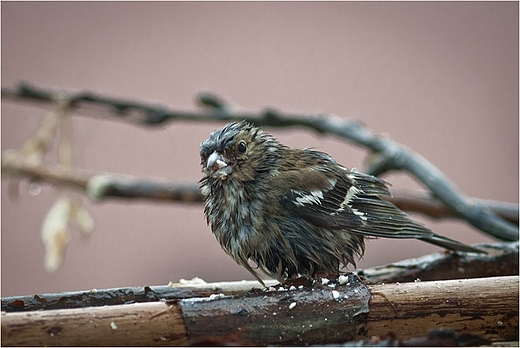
(295, 212)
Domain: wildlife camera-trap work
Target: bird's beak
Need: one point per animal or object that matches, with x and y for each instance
(218, 166)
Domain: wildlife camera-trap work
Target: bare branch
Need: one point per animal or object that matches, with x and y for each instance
(391, 155)
(55, 174)
(105, 186)
(421, 202)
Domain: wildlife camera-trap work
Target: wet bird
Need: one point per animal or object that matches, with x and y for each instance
(295, 212)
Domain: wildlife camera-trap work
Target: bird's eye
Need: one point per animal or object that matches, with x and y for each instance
(242, 147)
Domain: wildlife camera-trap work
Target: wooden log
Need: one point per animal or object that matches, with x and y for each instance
(482, 306)
(138, 324)
(325, 312)
(116, 296)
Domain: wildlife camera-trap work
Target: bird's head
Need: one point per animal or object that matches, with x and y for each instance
(238, 150)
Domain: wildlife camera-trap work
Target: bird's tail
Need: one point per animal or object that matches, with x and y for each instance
(450, 244)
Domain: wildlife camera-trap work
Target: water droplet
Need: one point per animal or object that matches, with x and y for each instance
(34, 189)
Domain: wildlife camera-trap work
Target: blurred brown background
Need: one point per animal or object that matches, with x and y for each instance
(441, 78)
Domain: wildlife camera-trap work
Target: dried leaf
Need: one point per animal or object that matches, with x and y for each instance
(83, 219)
(55, 233)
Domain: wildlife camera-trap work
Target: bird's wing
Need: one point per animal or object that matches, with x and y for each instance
(339, 199)
(327, 195)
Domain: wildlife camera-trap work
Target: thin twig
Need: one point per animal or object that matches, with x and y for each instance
(391, 155)
(99, 186)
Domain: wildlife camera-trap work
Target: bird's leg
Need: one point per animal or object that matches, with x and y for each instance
(326, 275)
